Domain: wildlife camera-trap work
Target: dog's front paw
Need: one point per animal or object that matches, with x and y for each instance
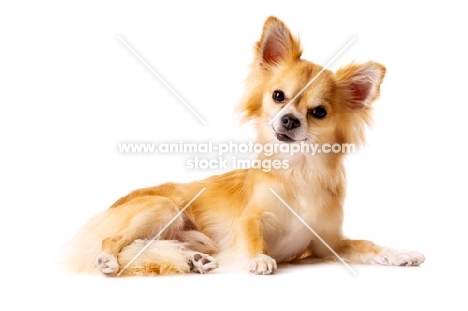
(262, 264)
(202, 263)
(393, 257)
(107, 264)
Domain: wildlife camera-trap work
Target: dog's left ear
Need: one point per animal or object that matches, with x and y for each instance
(359, 84)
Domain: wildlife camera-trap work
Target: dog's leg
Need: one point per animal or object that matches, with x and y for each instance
(140, 218)
(259, 260)
(197, 241)
(366, 252)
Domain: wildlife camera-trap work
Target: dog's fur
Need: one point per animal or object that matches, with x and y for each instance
(237, 212)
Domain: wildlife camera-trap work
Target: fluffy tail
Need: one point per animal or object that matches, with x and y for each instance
(161, 257)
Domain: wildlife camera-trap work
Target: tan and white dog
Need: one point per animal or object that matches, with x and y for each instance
(237, 213)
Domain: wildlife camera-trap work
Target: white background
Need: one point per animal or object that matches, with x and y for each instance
(70, 91)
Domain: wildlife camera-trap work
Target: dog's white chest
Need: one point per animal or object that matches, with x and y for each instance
(284, 231)
(293, 238)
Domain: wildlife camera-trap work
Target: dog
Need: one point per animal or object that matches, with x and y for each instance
(244, 212)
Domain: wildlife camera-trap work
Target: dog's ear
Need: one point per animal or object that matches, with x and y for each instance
(359, 84)
(276, 45)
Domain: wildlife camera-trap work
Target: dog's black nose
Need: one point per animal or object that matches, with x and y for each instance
(290, 122)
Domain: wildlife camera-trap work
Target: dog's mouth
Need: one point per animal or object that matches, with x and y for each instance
(284, 137)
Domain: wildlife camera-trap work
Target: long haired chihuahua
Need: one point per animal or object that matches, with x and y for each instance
(264, 218)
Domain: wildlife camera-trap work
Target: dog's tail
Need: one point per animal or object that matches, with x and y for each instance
(159, 257)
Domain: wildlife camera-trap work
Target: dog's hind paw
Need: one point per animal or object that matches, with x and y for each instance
(262, 264)
(107, 264)
(202, 263)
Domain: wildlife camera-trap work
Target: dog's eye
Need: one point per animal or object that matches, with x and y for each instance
(319, 112)
(278, 96)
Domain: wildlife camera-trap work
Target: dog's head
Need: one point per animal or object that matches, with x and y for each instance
(292, 100)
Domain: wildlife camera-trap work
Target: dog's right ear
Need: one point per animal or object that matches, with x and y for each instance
(277, 45)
